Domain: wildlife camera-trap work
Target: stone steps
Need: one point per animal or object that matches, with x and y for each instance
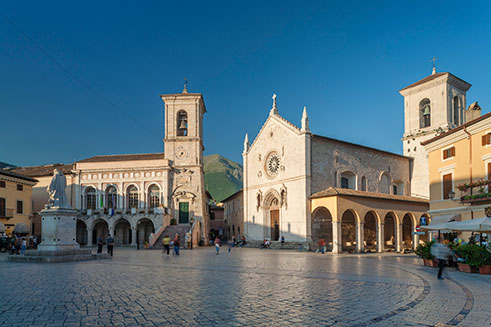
(171, 230)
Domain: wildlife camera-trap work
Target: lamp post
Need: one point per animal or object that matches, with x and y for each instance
(451, 195)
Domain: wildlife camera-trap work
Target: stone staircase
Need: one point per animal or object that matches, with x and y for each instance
(276, 245)
(171, 230)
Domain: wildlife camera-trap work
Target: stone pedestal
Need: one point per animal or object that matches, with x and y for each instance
(59, 230)
(58, 240)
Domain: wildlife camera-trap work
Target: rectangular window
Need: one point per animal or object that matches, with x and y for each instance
(344, 182)
(394, 189)
(2, 207)
(20, 187)
(486, 139)
(183, 212)
(447, 186)
(20, 207)
(448, 153)
(2, 184)
(212, 216)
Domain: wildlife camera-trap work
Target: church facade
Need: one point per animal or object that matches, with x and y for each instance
(303, 187)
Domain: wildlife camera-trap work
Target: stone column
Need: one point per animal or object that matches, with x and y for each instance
(336, 237)
(89, 236)
(360, 246)
(399, 238)
(415, 241)
(133, 235)
(380, 238)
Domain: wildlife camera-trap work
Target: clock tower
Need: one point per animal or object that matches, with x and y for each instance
(183, 146)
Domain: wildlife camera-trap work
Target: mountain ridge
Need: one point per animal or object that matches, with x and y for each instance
(223, 177)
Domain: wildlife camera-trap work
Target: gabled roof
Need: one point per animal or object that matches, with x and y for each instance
(9, 173)
(432, 77)
(44, 170)
(231, 196)
(333, 191)
(125, 157)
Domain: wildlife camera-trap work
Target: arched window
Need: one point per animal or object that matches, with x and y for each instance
(154, 196)
(456, 110)
(348, 180)
(182, 123)
(424, 113)
(111, 197)
(90, 198)
(363, 183)
(132, 197)
(385, 184)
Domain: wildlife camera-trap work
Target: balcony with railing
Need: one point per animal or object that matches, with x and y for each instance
(6, 213)
(477, 192)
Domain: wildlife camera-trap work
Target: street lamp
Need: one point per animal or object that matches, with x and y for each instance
(451, 195)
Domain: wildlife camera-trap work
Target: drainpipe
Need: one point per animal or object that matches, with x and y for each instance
(470, 162)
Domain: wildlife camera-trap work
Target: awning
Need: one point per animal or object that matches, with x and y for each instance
(482, 225)
(445, 218)
(2, 228)
(441, 227)
(21, 228)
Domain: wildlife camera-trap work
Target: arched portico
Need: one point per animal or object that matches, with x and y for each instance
(349, 231)
(390, 232)
(122, 232)
(322, 226)
(100, 227)
(370, 234)
(145, 227)
(407, 232)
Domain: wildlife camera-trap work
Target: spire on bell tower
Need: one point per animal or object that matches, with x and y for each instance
(185, 90)
(246, 143)
(433, 71)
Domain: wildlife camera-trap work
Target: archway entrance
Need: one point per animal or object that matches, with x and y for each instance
(275, 224)
(122, 233)
(272, 207)
(145, 228)
(389, 232)
(407, 232)
(348, 231)
(322, 226)
(370, 232)
(100, 228)
(81, 234)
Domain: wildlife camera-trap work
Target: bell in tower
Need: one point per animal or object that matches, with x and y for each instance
(182, 124)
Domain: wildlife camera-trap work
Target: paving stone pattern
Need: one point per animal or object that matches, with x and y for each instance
(247, 287)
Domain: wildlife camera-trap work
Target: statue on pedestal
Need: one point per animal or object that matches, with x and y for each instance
(56, 190)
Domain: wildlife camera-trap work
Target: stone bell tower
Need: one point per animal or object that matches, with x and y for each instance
(432, 105)
(183, 146)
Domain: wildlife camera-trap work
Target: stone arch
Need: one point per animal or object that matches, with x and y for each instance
(322, 226)
(109, 198)
(153, 202)
(390, 231)
(182, 123)
(348, 179)
(272, 205)
(370, 228)
(131, 202)
(122, 232)
(384, 182)
(100, 227)
(145, 227)
(408, 222)
(82, 232)
(349, 222)
(363, 186)
(425, 113)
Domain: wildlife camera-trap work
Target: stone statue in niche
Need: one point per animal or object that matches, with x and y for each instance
(259, 199)
(56, 190)
(283, 197)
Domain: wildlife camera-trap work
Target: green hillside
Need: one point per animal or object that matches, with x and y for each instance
(223, 177)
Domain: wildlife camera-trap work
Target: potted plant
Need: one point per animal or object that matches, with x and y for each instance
(471, 256)
(173, 221)
(424, 252)
(485, 269)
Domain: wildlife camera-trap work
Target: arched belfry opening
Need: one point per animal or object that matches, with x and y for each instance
(424, 113)
(182, 123)
(272, 207)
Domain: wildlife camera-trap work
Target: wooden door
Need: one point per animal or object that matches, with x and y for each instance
(275, 225)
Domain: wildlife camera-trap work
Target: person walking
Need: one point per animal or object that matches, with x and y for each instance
(233, 241)
(282, 240)
(441, 252)
(217, 244)
(100, 242)
(177, 243)
(322, 245)
(166, 243)
(110, 244)
(23, 246)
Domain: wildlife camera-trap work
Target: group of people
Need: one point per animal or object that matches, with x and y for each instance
(175, 242)
(109, 241)
(233, 243)
(18, 245)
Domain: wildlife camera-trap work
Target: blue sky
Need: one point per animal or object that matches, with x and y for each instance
(344, 60)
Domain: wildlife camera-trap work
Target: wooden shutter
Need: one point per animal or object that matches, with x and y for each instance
(489, 170)
(447, 185)
(445, 154)
(486, 139)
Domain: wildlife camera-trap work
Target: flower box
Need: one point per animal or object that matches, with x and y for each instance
(430, 263)
(485, 270)
(464, 267)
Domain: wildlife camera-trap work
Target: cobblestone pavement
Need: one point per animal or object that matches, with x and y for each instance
(247, 287)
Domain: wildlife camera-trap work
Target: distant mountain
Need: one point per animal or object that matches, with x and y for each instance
(6, 165)
(223, 177)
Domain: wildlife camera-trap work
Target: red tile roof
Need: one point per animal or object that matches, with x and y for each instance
(45, 170)
(430, 78)
(125, 157)
(332, 191)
